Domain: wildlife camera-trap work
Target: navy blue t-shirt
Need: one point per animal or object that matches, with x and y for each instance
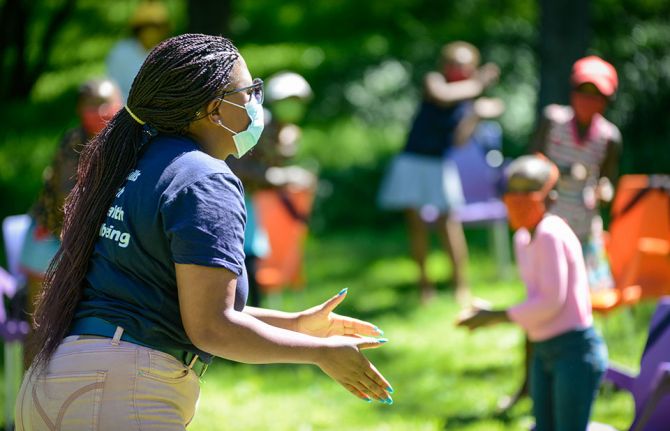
(179, 205)
(432, 132)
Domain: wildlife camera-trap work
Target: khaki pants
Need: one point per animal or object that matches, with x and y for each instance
(107, 384)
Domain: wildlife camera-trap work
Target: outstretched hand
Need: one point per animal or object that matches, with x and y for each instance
(320, 321)
(346, 337)
(345, 363)
(476, 317)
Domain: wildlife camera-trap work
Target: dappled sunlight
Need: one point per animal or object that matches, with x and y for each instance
(267, 59)
(444, 377)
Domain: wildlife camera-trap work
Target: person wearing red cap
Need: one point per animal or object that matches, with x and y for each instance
(586, 147)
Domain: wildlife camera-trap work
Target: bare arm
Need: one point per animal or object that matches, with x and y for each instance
(206, 300)
(609, 170)
(478, 317)
(539, 142)
(465, 129)
(541, 307)
(484, 108)
(206, 303)
(279, 319)
(610, 167)
(444, 93)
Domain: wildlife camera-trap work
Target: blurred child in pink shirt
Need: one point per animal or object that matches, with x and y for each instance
(569, 357)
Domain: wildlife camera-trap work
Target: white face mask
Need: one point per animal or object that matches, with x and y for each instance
(247, 139)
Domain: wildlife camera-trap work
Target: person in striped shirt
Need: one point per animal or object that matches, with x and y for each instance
(586, 147)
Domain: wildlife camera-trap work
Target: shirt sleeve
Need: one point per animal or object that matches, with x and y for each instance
(549, 295)
(204, 223)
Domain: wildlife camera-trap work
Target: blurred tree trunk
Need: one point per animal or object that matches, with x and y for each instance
(209, 16)
(19, 73)
(564, 38)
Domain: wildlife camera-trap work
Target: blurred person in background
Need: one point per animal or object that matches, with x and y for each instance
(419, 180)
(268, 168)
(568, 356)
(149, 283)
(586, 147)
(149, 25)
(98, 101)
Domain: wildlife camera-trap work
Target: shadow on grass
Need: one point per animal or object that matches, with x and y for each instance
(398, 299)
(459, 421)
(484, 373)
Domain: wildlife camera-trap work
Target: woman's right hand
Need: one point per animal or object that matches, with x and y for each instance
(343, 361)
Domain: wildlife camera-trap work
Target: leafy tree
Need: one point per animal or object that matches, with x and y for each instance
(564, 38)
(21, 66)
(209, 16)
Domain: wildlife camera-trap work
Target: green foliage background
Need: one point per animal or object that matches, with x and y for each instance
(365, 61)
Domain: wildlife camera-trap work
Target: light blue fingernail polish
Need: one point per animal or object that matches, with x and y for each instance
(379, 331)
(382, 340)
(343, 291)
(367, 400)
(389, 401)
(389, 389)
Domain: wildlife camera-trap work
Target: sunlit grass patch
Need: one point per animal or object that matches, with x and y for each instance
(445, 378)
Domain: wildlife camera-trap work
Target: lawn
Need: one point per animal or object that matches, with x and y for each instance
(444, 377)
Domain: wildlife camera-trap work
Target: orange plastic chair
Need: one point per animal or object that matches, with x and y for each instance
(283, 213)
(639, 242)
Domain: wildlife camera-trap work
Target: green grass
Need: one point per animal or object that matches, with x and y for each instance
(444, 377)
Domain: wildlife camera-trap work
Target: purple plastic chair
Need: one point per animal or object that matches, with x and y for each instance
(480, 166)
(8, 286)
(14, 229)
(650, 388)
(13, 329)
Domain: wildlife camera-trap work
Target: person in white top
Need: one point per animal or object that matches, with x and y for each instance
(149, 25)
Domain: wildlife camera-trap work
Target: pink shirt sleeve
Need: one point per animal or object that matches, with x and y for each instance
(547, 295)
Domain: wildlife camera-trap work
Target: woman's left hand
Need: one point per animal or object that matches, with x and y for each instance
(320, 321)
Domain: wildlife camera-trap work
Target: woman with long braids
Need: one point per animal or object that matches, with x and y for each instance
(149, 282)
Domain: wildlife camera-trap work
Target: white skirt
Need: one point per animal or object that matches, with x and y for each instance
(414, 181)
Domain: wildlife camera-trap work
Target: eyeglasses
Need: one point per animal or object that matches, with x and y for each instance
(254, 90)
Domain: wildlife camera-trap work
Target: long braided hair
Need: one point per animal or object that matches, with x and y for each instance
(178, 78)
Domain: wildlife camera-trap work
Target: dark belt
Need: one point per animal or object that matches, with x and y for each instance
(101, 328)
